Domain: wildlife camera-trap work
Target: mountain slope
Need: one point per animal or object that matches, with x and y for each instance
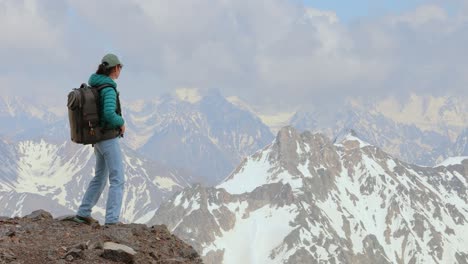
(304, 199)
(22, 118)
(206, 137)
(460, 147)
(7, 166)
(60, 173)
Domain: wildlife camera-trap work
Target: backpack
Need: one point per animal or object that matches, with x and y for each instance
(83, 115)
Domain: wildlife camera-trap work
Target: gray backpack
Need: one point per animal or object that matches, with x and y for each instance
(83, 115)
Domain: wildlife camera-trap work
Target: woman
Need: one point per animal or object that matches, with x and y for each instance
(108, 154)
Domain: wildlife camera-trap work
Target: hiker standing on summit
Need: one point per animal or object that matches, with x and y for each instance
(109, 161)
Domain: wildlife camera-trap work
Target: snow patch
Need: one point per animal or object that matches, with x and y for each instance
(146, 218)
(276, 121)
(254, 174)
(350, 137)
(452, 161)
(190, 95)
(266, 227)
(165, 182)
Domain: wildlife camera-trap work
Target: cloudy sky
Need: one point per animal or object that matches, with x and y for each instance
(268, 52)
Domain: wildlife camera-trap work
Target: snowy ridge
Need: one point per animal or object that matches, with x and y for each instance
(16, 106)
(421, 130)
(342, 203)
(348, 137)
(453, 161)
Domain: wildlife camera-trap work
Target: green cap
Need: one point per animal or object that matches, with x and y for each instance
(111, 60)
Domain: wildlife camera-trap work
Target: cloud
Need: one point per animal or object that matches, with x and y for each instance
(420, 51)
(270, 53)
(30, 31)
(422, 16)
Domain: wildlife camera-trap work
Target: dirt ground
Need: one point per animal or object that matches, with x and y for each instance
(38, 238)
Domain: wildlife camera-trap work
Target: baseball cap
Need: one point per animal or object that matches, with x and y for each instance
(111, 60)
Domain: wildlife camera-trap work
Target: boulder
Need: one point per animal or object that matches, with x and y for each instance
(118, 252)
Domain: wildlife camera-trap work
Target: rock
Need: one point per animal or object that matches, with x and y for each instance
(39, 215)
(15, 240)
(119, 234)
(75, 253)
(65, 218)
(95, 245)
(189, 253)
(6, 256)
(117, 246)
(81, 246)
(51, 255)
(118, 252)
(138, 230)
(7, 232)
(11, 233)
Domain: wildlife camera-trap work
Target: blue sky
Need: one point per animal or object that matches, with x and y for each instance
(350, 10)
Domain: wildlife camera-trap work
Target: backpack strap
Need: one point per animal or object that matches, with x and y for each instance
(100, 87)
(119, 108)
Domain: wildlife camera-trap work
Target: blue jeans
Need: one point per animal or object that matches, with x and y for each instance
(108, 163)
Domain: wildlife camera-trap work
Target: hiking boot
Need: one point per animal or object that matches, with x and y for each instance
(86, 220)
(113, 224)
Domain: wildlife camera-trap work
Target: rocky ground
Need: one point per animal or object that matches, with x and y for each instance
(38, 238)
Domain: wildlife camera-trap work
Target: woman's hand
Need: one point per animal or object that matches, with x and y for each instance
(122, 130)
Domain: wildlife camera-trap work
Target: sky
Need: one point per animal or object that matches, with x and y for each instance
(349, 11)
(271, 54)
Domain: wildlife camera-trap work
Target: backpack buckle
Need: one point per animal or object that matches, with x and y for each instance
(91, 130)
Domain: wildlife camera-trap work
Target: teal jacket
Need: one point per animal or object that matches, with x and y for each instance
(109, 117)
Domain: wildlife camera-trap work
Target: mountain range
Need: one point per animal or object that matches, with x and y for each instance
(188, 138)
(207, 136)
(307, 199)
(419, 129)
(171, 143)
(38, 174)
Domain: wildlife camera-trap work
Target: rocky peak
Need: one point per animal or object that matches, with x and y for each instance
(306, 151)
(460, 163)
(286, 144)
(289, 138)
(461, 144)
(350, 139)
(292, 147)
(38, 238)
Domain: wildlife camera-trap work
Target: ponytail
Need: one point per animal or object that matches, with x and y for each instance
(103, 70)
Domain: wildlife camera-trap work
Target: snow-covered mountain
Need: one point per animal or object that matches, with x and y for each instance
(7, 166)
(21, 118)
(306, 199)
(420, 130)
(59, 175)
(170, 143)
(205, 135)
